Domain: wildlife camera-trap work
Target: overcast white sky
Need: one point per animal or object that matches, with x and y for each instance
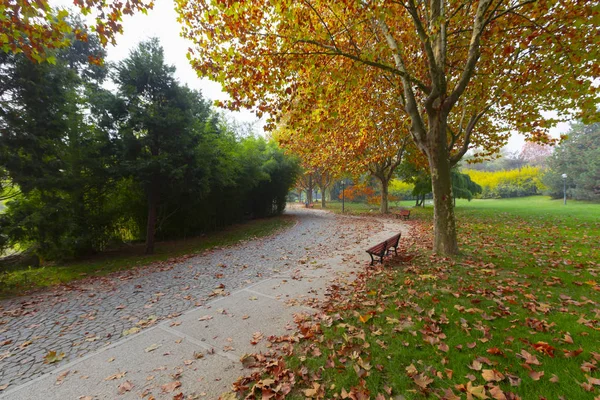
(162, 22)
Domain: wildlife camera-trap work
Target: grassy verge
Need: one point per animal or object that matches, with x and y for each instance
(516, 316)
(19, 281)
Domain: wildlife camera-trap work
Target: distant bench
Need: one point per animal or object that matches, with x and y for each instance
(309, 205)
(381, 250)
(402, 214)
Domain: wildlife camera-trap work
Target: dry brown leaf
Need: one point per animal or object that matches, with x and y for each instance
(116, 376)
(169, 387)
(497, 393)
(60, 378)
(492, 375)
(125, 387)
(535, 375)
(476, 391)
(422, 380)
(529, 358)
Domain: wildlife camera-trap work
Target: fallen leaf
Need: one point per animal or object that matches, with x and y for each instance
(53, 357)
(422, 380)
(476, 391)
(131, 331)
(25, 344)
(411, 370)
(544, 348)
(535, 375)
(593, 381)
(125, 387)
(205, 318)
(314, 391)
(60, 378)
(169, 387)
(152, 347)
(529, 358)
(476, 365)
(365, 318)
(118, 375)
(573, 353)
(492, 375)
(497, 393)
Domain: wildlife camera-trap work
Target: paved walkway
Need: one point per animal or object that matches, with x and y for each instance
(212, 305)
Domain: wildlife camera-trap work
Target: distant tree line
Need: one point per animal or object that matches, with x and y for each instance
(150, 160)
(578, 158)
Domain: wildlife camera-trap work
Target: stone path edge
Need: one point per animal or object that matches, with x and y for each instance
(127, 339)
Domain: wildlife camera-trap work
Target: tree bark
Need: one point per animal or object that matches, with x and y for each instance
(384, 209)
(153, 196)
(445, 241)
(309, 190)
(323, 201)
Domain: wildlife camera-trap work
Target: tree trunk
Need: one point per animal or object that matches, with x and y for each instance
(445, 241)
(152, 211)
(384, 209)
(323, 201)
(309, 190)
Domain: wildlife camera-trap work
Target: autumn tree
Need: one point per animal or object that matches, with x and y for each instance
(460, 66)
(36, 29)
(365, 135)
(306, 183)
(323, 179)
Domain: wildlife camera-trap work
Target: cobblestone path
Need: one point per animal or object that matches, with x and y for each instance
(88, 315)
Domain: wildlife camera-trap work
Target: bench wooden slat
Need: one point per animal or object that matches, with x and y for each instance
(403, 214)
(381, 249)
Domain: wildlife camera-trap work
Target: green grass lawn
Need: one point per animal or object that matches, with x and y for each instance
(19, 281)
(515, 316)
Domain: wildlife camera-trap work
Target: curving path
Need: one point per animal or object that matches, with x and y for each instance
(89, 315)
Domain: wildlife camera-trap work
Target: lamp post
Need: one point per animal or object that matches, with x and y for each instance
(564, 176)
(343, 194)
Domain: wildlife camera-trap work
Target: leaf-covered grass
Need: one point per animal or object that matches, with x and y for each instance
(21, 280)
(515, 316)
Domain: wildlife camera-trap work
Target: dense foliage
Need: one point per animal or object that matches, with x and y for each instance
(579, 158)
(525, 181)
(151, 159)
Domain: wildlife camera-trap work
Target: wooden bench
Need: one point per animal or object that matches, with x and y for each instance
(403, 214)
(310, 205)
(382, 249)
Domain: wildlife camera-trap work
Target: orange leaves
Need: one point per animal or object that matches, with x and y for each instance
(545, 348)
(529, 358)
(32, 28)
(492, 375)
(420, 379)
